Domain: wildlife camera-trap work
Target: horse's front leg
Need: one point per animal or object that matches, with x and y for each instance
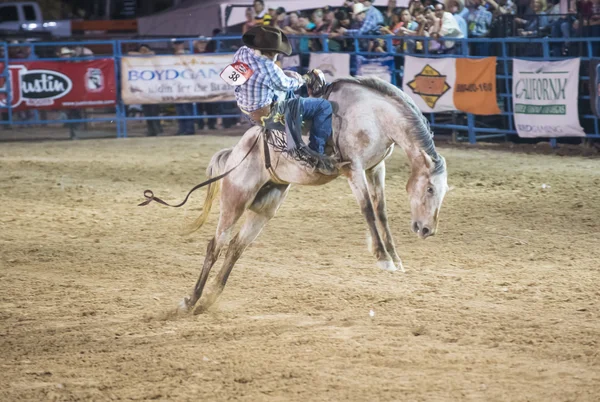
(376, 182)
(358, 183)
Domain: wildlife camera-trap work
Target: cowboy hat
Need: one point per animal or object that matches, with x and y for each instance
(267, 38)
(358, 8)
(65, 50)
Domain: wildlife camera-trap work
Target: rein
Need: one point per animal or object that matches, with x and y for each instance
(149, 195)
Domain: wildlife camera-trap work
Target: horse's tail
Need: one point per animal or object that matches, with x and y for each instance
(216, 167)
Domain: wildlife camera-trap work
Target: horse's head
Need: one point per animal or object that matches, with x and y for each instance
(426, 188)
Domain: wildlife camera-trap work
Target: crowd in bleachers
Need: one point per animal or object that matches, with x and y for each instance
(433, 19)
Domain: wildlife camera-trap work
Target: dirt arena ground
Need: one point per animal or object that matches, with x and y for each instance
(502, 305)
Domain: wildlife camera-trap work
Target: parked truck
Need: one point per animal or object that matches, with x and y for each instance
(26, 17)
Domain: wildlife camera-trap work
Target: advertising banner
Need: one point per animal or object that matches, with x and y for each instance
(174, 79)
(333, 65)
(545, 98)
(380, 67)
(449, 84)
(61, 84)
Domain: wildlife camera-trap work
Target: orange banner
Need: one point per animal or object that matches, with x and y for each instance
(475, 87)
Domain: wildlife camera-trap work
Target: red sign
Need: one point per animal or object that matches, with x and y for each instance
(61, 84)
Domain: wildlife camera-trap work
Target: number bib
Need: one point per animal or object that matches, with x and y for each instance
(236, 74)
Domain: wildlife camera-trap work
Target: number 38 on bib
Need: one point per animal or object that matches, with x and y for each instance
(236, 74)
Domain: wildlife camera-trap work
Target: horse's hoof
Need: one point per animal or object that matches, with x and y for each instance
(387, 266)
(184, 305)
(400, 266)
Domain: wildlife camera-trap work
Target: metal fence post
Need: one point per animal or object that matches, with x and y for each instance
(471, 128)
(7, 85)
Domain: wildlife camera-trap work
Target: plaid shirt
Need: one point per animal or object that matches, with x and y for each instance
(371, 24)
(267, 82)
(479, 20)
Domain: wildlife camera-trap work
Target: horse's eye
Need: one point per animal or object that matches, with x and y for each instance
(430, 190)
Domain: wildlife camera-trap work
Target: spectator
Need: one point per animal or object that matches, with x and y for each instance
(72, 114)
(280, 18)
(342, 20)
(249, 20)
(389, 13)
(562, 26)
(329, 16)
(535, 23)
(320, 27)
(183, 110)
(446, 27)
(261, 17)
(480, 22)
(369, 18)
(153, 126)
(456, 7)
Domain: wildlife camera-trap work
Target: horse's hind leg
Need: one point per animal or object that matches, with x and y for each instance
(264, 207)
(376, 182)
(234, 202)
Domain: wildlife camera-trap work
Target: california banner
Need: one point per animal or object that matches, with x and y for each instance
(545, 98)
(174, 79)
(450, 84)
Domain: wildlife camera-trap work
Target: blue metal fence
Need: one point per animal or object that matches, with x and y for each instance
(469, 127)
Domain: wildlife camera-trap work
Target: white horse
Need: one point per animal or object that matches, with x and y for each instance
(370, 117)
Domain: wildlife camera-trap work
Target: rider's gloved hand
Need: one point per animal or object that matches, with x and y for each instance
(293, 74)
(315, 81)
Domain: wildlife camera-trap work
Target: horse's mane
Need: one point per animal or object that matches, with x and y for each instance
(419, 126)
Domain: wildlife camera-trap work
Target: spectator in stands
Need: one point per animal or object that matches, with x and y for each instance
(249, 20)
(457, 7)
(153, 126)
(479, 21)
(389, 13)
(261, 16)
(446, 27)
(562, 26)
(281, 19)
(183, 110)
(71, 114)
(368, 18)
(336, 44)
(534, 23)
(321, 27)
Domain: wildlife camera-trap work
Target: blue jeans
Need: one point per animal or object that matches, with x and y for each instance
(319, 111)
(186, 126)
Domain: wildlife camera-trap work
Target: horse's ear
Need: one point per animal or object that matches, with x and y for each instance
(428, 160)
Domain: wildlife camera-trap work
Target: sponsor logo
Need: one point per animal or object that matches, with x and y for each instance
(36, 87)
(94, 80)
(430, 85)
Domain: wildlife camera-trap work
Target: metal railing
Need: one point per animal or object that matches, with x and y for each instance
(467, 127)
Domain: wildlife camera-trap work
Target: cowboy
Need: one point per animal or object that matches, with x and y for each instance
(263, 96)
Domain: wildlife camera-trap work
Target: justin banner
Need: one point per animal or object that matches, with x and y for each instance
(60, 84)
(174, 79)
(448, 84)
(380, 67)
(545, 98)
(333, 65)
(595, 86)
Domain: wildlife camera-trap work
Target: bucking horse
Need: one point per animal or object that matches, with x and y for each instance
(370, 118)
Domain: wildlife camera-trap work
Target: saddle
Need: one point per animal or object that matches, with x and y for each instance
(282, 132)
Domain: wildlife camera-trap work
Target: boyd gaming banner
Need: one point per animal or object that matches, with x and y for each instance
(448, 84)
(545, 98)
(595, 86)
(61, 84)
(333, 65)
(174, 79)
(380, 67)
